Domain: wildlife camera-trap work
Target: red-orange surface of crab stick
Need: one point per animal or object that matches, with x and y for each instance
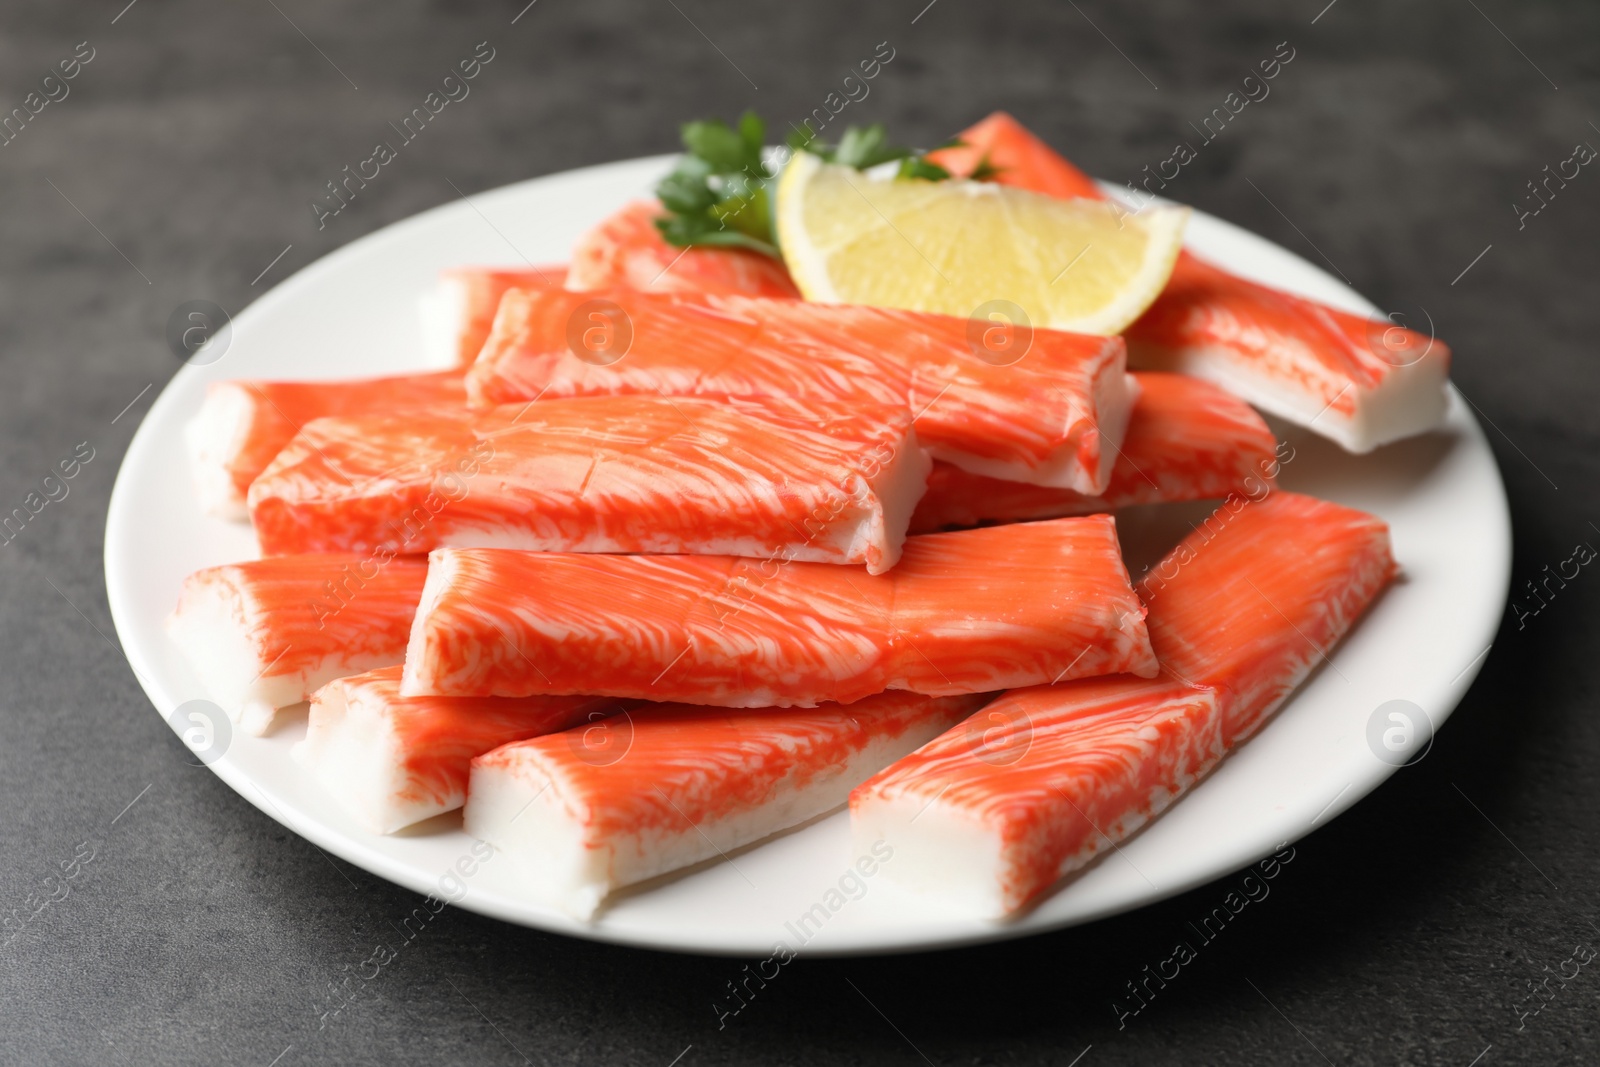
(1003, 150)
(1254, 597)
(626, 249)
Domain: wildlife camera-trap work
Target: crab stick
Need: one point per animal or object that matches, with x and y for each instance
(1014, 156)
(1357, 381)
(457, 315)
(603, 474)
(242, 425)
(668, 786)
(1021, 796)
(626, 250)
(990, 816)
(392, 761)
(1187, 440)
(966, 612)
(268, 633)
(1052, 415)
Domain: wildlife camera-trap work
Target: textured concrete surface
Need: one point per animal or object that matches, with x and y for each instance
(1392, 148)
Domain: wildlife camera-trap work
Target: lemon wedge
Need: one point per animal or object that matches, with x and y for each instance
(974, 249)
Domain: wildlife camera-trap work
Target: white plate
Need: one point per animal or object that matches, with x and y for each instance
(355, 313)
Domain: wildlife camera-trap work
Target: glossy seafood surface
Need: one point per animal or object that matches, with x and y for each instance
(1015, 157)
(991, 814)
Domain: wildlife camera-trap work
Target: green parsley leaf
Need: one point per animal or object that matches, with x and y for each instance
(985, 171)
(863, 148)
(919, 167)
(717, 193)
(867, 147)
(721, 148)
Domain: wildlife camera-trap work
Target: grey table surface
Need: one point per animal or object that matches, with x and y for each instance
(1394, 150)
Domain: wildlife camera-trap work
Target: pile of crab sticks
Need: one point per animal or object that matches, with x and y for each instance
(634, 605)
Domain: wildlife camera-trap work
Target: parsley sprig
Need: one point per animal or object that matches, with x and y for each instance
(862, 148)
(865, 147)
(719, 193)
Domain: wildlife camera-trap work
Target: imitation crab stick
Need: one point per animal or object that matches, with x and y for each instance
(1035, 786)
(624, 250)
(1014, 156)
(268, 633)
(990, 815)
(1357, 381)
(242, 425)
(1050, 410)
(1186, 440)
(603, 474)
(627, 250)
(966, 612)
(456, 317)
(393, 760)
(585, 813)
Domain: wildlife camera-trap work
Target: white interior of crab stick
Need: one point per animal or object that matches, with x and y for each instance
(214, 438)
(441, 319)
(392, 761)
(207, 628)
(268, 633)
(589, 811)
(1402, 402)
